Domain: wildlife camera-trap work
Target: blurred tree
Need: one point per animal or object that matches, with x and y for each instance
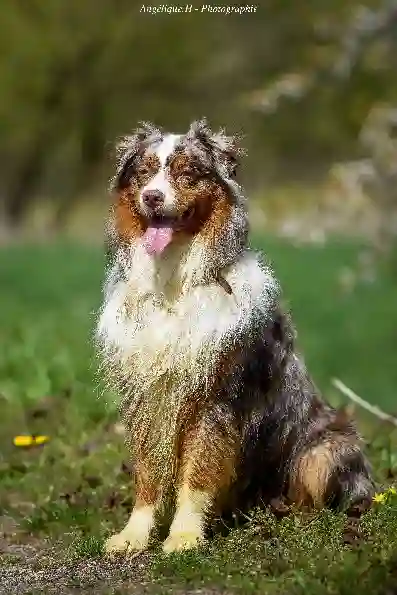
(360, 69)
(77, 74)
(74, 75)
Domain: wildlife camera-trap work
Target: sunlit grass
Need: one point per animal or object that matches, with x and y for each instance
(74, 490)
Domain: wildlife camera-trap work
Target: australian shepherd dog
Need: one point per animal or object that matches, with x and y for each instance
(219, 410)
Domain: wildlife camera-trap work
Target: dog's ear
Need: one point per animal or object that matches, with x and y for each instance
(226, 150)
(232, 163)
(229, 151)
(125, 167)
(128, 151)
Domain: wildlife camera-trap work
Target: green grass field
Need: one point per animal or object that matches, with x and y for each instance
(58, 502)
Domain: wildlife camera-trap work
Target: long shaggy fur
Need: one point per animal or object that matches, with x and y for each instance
(128, 147)
(218, 406)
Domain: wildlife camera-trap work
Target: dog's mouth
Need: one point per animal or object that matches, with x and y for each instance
(176, 223)
(161, 228)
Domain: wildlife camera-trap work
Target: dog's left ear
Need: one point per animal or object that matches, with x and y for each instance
(232, 163)
(228, 151)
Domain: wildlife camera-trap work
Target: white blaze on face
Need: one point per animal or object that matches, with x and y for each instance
(158, 237)
(160, 181)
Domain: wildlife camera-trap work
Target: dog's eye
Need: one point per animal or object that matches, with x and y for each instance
(192, 172)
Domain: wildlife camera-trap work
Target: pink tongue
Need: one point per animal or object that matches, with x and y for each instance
(157, 238)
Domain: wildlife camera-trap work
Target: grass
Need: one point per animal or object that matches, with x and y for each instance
(60, 500)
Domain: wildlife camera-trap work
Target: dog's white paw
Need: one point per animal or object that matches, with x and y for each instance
(185, 540)
(126, 542)
(135, 535)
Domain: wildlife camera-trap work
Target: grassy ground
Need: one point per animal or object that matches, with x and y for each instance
(58, 502)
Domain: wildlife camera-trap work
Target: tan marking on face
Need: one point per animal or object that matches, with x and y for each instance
(129, 222)
(195, 187)
(146, 169)
(218, 218)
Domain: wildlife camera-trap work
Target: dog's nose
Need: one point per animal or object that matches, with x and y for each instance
(153, 198)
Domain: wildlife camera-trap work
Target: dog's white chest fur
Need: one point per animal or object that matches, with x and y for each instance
(154, 322)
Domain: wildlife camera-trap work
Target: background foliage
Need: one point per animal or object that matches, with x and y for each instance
(74, 75)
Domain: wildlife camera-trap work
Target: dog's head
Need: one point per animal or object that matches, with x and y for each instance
(171, 187)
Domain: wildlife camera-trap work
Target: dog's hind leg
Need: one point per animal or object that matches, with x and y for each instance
(333, 473)
(207, 469)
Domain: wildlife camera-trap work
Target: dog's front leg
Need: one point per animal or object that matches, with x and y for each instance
(136, 533)
(207, 470)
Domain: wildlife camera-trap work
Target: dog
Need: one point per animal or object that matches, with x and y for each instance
(219, 410)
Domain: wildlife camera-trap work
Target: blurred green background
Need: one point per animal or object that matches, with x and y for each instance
(312, 87)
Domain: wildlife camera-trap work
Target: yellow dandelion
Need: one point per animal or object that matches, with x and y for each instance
(29, 440)
(392, 490)
(379, 498)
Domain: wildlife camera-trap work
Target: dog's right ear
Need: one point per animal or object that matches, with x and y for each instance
(125, 170)
(128, 150)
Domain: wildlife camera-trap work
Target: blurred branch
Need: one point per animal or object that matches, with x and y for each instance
(376, 176)
(345, 390)
(366, 26)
